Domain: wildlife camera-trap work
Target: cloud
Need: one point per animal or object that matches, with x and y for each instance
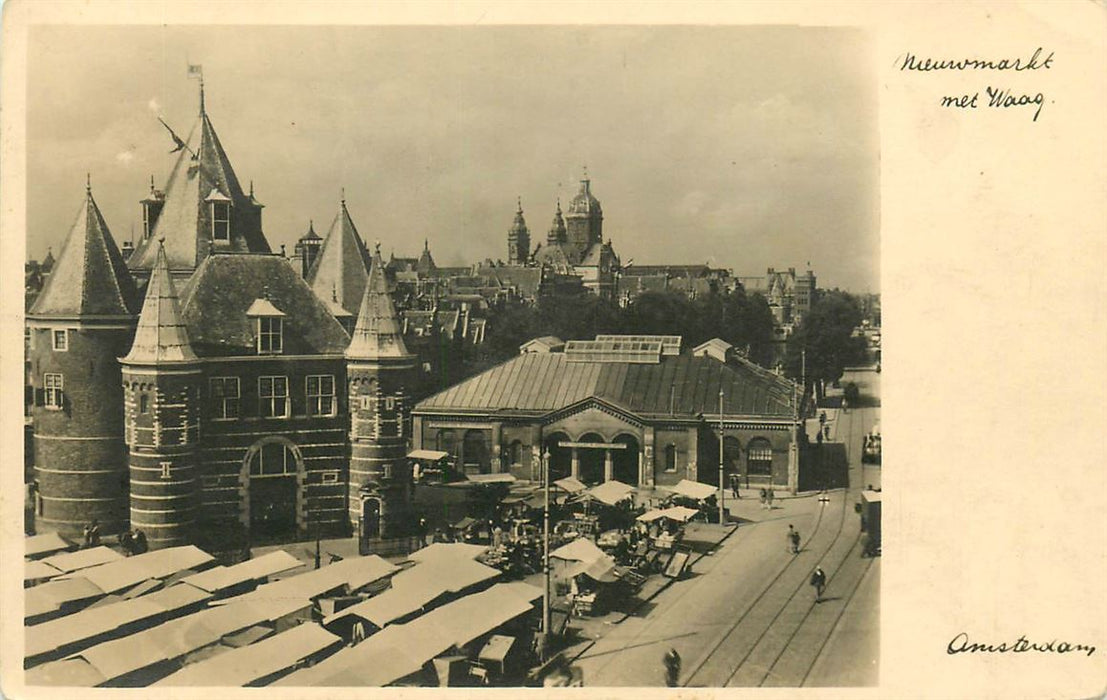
(125, 157)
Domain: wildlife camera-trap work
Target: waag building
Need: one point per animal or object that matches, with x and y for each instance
(638, 409)
(203, 385)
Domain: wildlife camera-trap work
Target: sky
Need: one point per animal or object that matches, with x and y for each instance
(744, 147)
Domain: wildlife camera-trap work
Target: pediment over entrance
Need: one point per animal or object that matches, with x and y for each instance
(592, 415)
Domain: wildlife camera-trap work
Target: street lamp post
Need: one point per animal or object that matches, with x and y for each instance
(546, 549)
(722, 490)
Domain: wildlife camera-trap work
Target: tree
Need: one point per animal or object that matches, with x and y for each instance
(826, 334)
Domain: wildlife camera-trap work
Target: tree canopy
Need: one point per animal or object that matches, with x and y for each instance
(826, 333)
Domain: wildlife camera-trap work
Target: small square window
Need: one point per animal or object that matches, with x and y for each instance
(330, 477)
(61, 340)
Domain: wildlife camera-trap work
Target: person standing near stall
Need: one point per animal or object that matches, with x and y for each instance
(672, 668)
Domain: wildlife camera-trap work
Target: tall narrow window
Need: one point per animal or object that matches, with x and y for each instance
(273, 396)
(144, 403)
(670, 458)
(61, 339)
(221, 220)
(224, 394)
(54, 384)
(270, 334)
(320, 395)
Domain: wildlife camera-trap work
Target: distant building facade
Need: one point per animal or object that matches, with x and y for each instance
(635, 409)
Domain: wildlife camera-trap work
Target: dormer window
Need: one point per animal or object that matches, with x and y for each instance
(269, 328)
(220, 216)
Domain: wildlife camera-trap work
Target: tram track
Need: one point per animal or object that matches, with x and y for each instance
(778, 638)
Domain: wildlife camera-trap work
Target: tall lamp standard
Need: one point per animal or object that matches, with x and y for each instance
(546, 549)
(722, 490)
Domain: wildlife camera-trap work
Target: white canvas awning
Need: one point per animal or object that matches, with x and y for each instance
(692, 489)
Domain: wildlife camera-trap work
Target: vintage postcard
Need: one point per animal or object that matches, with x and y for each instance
(364, 350)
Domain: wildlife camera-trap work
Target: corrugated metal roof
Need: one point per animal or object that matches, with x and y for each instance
(239, 667)
(222, 577)
(539, 382)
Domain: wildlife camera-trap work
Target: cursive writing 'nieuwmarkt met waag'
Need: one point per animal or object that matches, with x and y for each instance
(999, 97)
(960, 644)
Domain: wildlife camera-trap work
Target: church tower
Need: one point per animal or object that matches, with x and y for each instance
(83, 320)
(518, 239)
(556, 234)
(378, 370)
(584, 222)
(161, 383)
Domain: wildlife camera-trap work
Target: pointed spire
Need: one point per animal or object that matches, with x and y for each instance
(161, 336)
(377, 333)
(342, 263)
(88, 184)
(203, 111)
(89, 276)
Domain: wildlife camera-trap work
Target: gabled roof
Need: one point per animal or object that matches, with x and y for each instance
(341, 268)
(161, 335)
(539, 383)
(378, 332)
(216, 301)
(202, 169)
(89, 277)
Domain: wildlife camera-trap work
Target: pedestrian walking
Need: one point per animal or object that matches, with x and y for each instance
(818, 580)
(734, 486)
(672, 668)
(763, 497)
(769, 496)
(127, 542)
(793, 540)
(92, 534)
(423, 531)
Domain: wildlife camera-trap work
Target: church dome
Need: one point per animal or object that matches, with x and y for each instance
(584, 203)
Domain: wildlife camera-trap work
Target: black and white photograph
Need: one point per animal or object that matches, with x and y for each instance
(466, 355)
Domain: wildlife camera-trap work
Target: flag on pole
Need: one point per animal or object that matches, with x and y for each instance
(195, 71)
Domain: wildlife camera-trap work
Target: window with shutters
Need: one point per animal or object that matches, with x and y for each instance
(54, 386)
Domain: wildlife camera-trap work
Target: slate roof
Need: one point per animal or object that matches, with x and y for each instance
(215, 302)
(526, 279)
(426, 265)
(537, 383)
(341, 268)
(378, 332)
(553, 254)
(161, 335)
(184, 222)
(90, 276)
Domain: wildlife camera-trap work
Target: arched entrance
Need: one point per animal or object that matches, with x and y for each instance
(626, 460)
(560, 457)
(591, 459)
(273, 470)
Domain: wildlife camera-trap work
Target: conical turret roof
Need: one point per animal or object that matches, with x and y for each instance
(89, 277)
(161, 336)
(378, 332)
(202, 173)
(341, 268)
(426, 265)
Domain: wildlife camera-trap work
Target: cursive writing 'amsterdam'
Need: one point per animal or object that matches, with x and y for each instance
(961, 645)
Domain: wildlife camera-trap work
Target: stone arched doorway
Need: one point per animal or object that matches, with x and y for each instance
(591, 459)
(273, 474)
(560, 457)
(625, 461)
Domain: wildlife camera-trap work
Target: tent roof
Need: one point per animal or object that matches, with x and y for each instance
(260, 567)
(692, 489)
(82, 559)
(611, 492)
(580, 549)
(44, 544)
(570, 484)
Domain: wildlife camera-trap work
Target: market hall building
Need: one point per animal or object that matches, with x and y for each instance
(631, 408)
